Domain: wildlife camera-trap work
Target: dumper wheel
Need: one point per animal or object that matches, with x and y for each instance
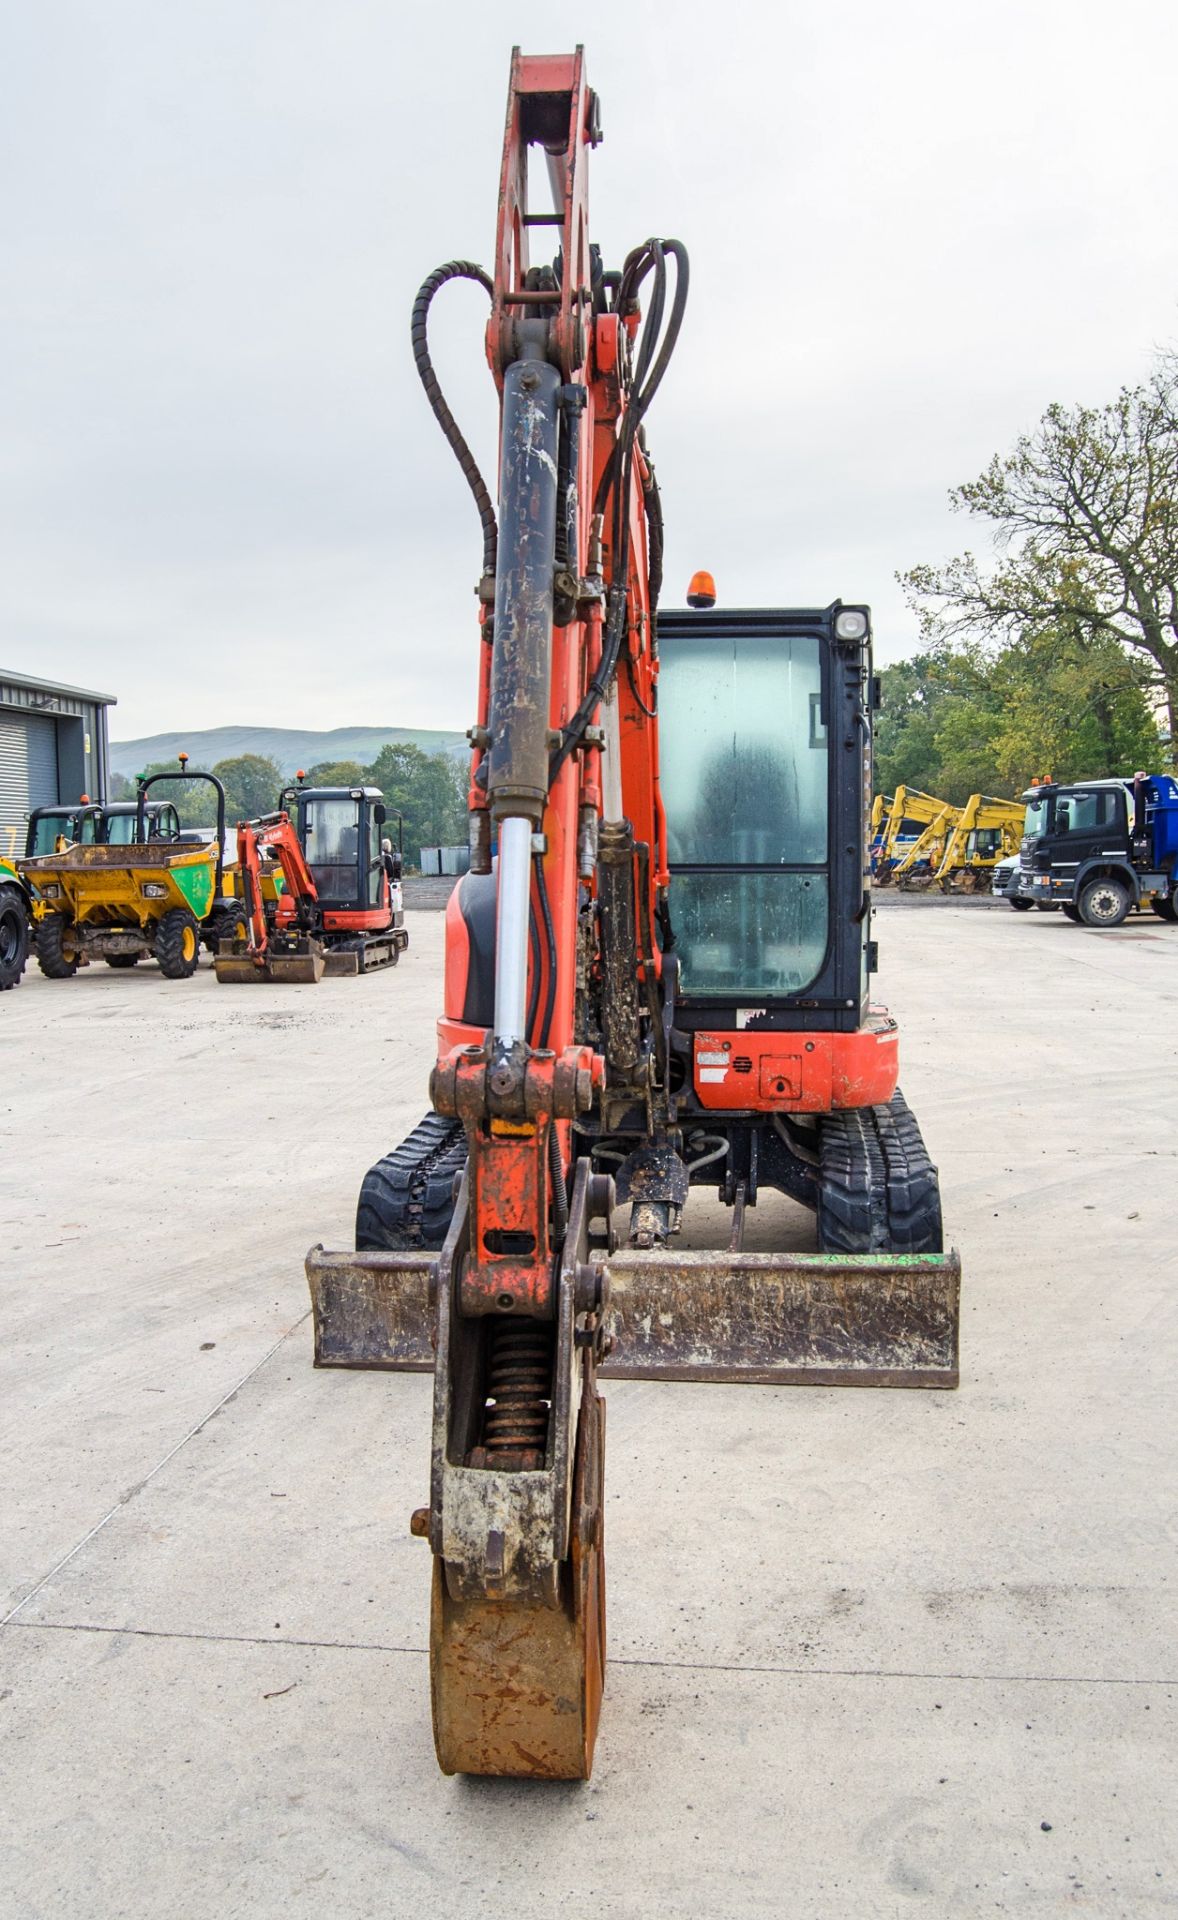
(1070, 909)
(14, 937)
(878, 1191)
(1166, 909)
(407, 1199)
(1019, 904)
(57, 956)
(228, 923)
(122, 959)
(177, 944)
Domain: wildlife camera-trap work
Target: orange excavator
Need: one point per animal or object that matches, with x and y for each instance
(656, 985)
(338, 910)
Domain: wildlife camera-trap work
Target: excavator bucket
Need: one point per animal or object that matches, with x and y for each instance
(768, 1319)
(239, 966)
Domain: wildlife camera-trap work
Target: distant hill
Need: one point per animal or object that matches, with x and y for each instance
(289, 746)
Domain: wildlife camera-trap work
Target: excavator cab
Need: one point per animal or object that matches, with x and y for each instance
(339, 829)
(767, 900)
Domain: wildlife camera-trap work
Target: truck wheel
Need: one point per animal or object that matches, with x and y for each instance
(1104, 903)
(1019, 904)
(1166, 909)
(177, 944)
(122, 959)
(57, 957)
(1046, 906)
(14, 937)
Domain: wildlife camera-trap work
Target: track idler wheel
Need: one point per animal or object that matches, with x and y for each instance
(516, 1690)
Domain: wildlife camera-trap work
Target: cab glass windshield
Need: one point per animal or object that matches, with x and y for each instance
(744, 775)
(78, 828)
(1036, 819)
(332, 844)
(49, 829)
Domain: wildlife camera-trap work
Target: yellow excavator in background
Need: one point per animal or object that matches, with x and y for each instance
(919, 865)
(909, 813)
(986, 830)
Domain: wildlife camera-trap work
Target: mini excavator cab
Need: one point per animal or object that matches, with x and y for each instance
(765, 822)
(339, 830)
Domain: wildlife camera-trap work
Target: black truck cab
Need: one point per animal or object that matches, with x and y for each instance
(1101, 847)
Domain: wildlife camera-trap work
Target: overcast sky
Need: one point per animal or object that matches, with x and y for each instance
(224, 498)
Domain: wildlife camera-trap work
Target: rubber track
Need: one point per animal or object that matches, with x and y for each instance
(407, 1198)
(879, 1187)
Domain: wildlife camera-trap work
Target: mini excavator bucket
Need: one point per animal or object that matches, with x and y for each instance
(238, 965)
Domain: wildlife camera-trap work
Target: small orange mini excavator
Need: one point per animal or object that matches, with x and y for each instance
(338, 910)
(656, 984)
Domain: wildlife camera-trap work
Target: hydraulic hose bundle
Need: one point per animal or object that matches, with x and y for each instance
(649, 359)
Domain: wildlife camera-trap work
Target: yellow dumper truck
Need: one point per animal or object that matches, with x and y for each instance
(149, 898)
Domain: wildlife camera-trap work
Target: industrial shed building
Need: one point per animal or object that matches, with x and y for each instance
(53, 747)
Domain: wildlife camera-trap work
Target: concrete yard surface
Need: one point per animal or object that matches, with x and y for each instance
(872, 1653)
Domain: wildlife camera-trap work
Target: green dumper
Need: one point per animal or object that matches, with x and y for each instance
(151, 899)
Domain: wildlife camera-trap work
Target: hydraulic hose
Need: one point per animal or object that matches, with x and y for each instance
(651, 360)
(419, 333)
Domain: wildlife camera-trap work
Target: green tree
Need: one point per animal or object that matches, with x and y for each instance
(337, 773)
(936, 728)
(252, 782)
(1074, 705)
(905, 731)
(428, 790)
(121, 788)
(964, 720)
(1084, 517)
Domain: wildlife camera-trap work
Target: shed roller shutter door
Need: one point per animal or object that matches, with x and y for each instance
(14, 775)
(28, 766)
(42, 760)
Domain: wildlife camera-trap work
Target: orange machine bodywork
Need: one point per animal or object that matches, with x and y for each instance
(797, 1072)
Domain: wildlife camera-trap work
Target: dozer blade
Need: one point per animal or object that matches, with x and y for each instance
(781, 1319)
(372, 1310)
(297, 969)
(342, 963)
(804, 1319)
